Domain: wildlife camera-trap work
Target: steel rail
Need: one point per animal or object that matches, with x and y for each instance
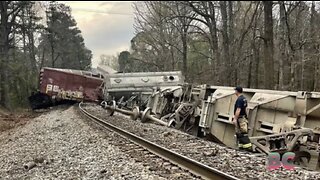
(191, 165)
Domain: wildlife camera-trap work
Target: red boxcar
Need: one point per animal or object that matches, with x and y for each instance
(56, 85)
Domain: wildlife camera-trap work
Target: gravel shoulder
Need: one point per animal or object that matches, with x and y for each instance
(62, 145)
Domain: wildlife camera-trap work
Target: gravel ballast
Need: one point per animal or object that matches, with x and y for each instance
(61, 144)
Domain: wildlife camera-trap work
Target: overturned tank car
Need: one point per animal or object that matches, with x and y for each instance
(130, 90)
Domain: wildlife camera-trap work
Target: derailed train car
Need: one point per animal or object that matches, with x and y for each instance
(279, 121)
(60, 85)
(134, 89)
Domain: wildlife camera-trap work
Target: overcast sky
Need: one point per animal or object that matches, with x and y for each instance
(107, 27)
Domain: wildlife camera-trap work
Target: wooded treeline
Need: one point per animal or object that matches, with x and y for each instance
(34, 35)
(256, 44)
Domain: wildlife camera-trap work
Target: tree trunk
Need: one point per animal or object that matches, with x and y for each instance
(214, 43)
(184, 53)
(293, 73)
(313, 50)
(23, 29)
(52, 54)
(268, 46)
(233, 76)
(32, 52)
(254, 83)
(172, 60)
(42, 59)
(316, 76)
(4, 50)
(225, 44)
(249, 72)
(282, 45)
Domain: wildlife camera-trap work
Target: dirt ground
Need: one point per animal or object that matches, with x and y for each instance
(11, 120)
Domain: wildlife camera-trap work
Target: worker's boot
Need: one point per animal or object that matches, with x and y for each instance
(244, 142)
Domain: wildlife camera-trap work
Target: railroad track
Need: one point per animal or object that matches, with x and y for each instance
(184, 162)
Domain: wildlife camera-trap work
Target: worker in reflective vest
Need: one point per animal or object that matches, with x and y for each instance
(240, 120)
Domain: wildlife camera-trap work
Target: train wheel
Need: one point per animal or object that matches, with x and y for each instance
(103, 104)
(113, 108)
(145, 114)
(135, 113)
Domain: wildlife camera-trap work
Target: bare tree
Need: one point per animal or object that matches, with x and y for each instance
(207, 12)
(274, 48)
(268, 46)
